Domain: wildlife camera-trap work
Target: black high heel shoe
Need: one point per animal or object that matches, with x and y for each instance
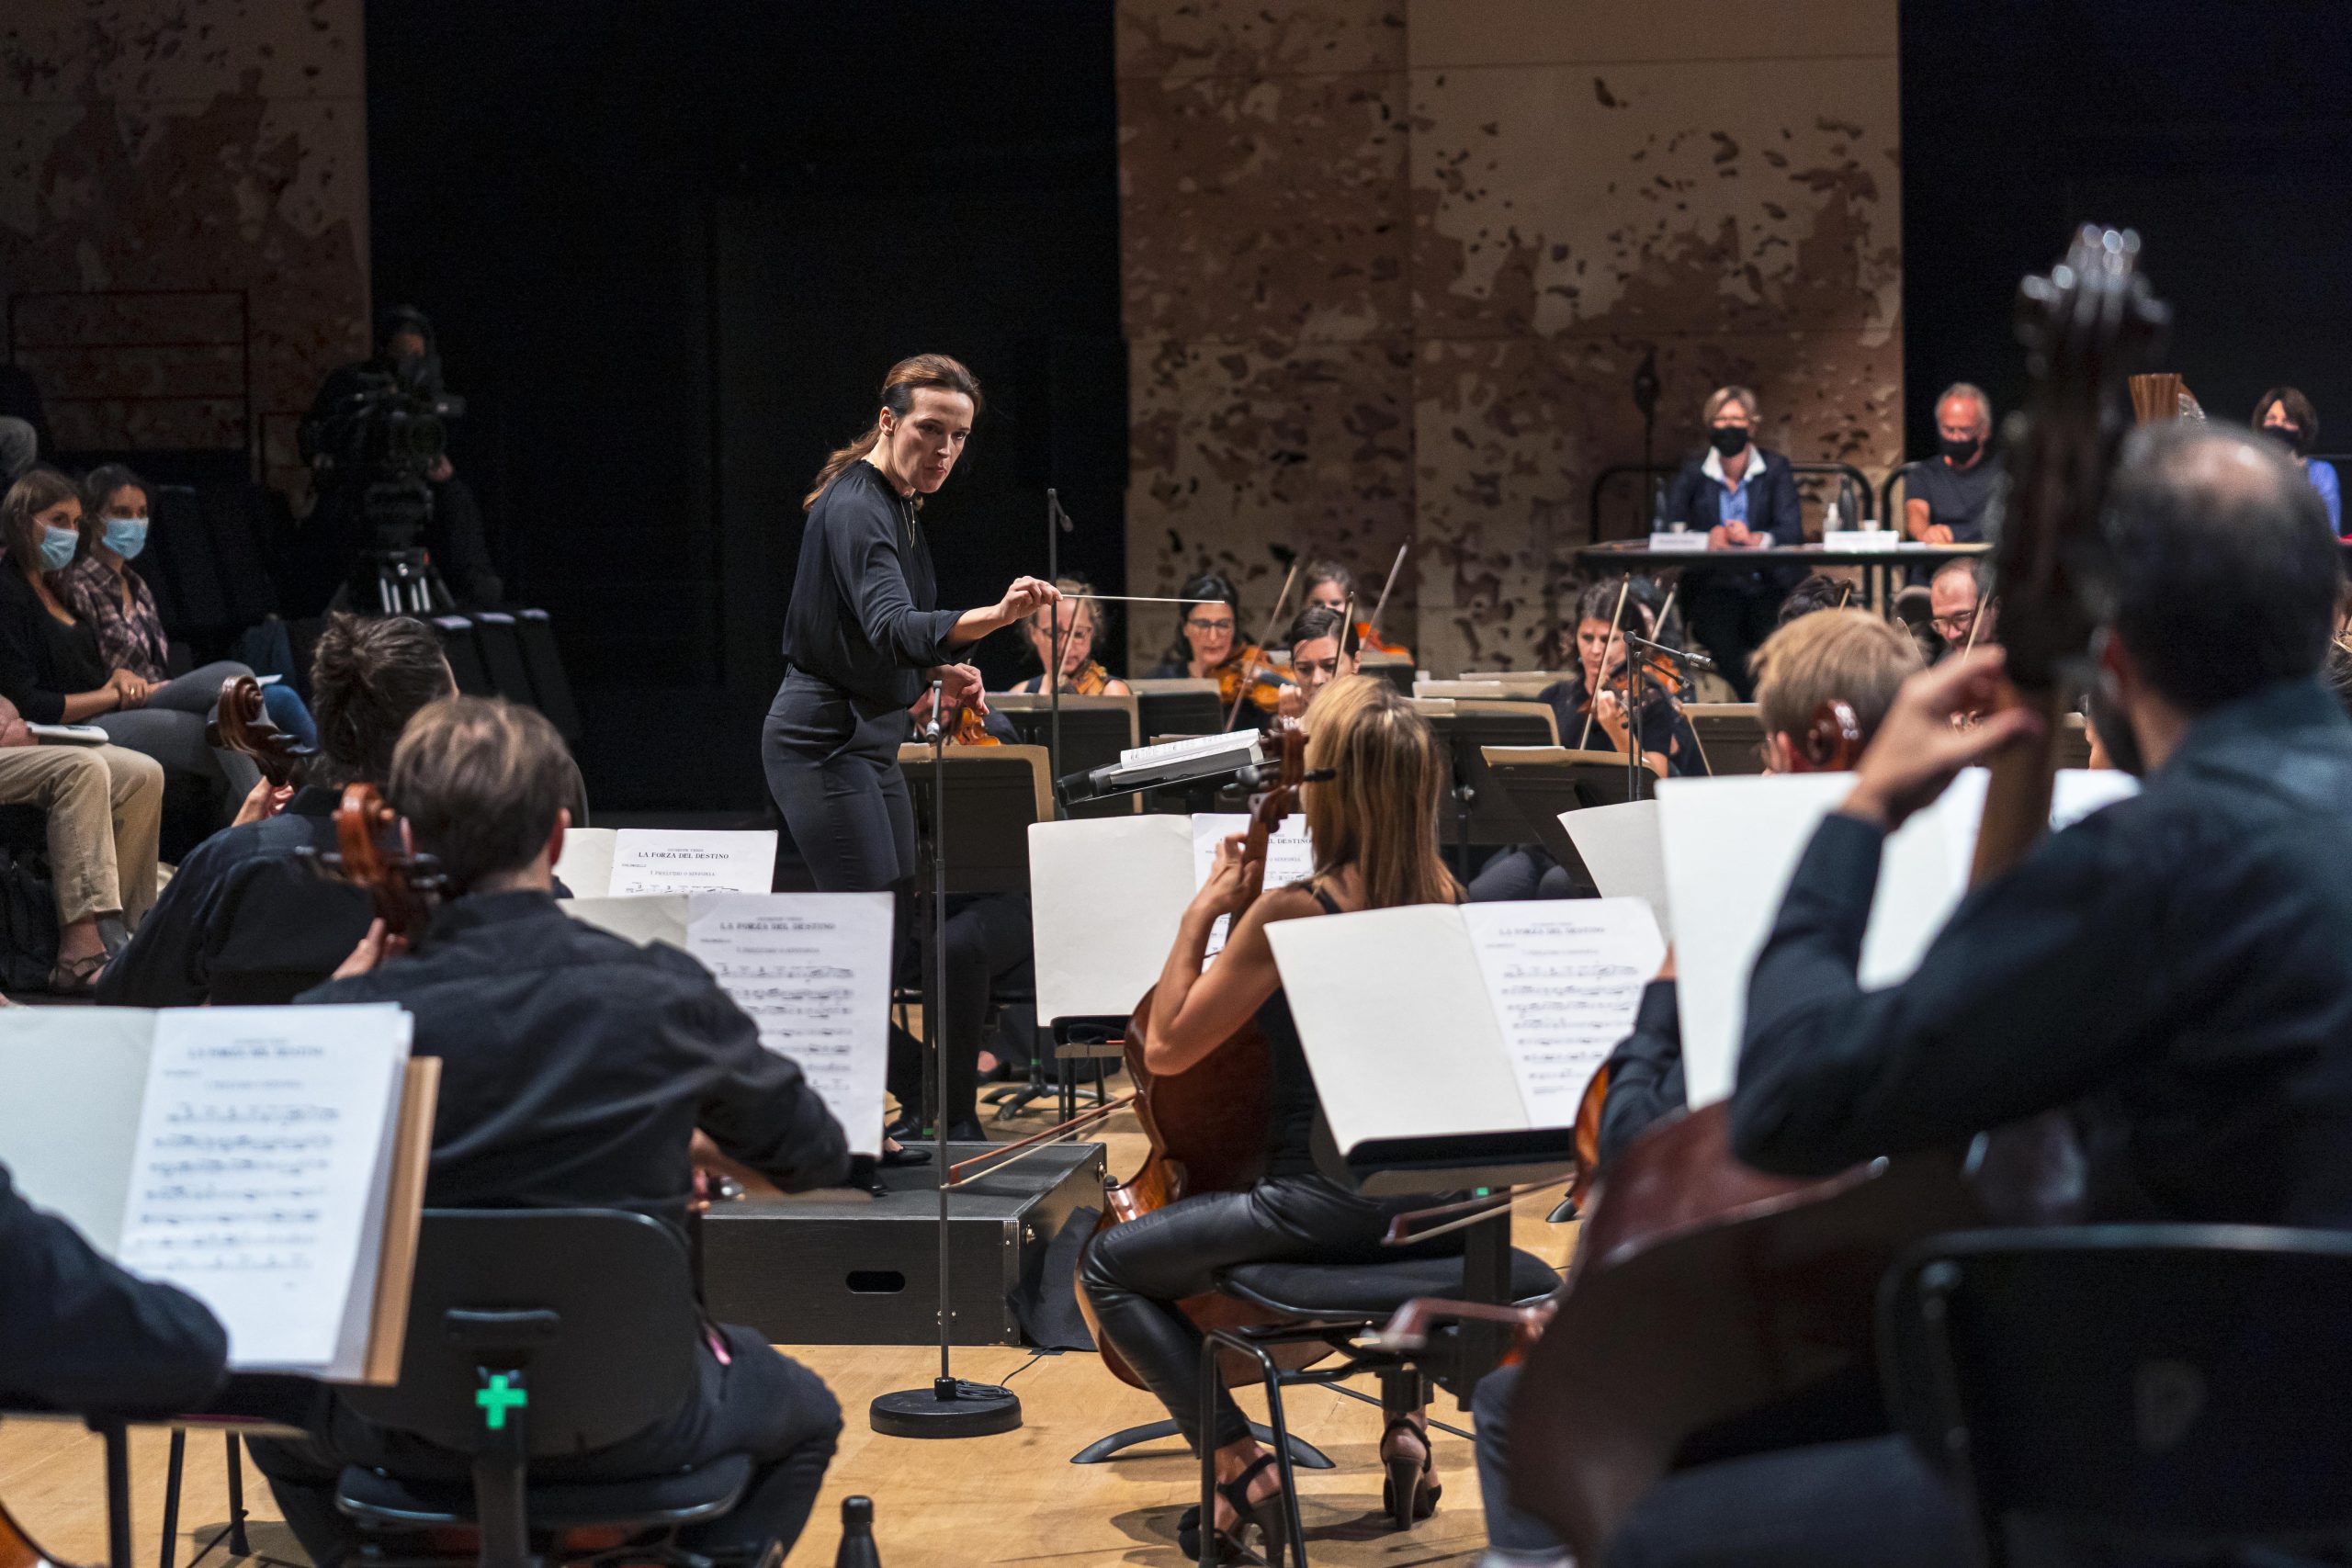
(1412, 1489)
(1267, 1514)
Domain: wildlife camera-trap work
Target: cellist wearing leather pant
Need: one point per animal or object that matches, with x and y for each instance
(1374, 774)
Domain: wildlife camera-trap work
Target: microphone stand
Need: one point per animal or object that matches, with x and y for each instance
(949, 1407)
(1057, 523)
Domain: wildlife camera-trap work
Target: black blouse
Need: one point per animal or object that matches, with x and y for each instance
(43, 659)
(864, 617)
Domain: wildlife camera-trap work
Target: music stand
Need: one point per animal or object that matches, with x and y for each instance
(1396, 669)
(1094, 731)
(1730, 734)
(1178, 707)
(993, 793)
(1545, 781)
(1484, 814)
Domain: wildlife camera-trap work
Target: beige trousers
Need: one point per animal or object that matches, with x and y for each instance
(106, 810)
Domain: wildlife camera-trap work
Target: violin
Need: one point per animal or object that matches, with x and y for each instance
(241, 723)
(971, 730)
(1369, 640)
(1206, 1125)
(1250, 670)
(1706, 1290)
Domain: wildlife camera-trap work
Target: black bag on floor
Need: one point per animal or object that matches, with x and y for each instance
(28, 922)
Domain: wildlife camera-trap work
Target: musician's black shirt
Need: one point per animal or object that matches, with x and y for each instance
(863, 616)
(2173, 968)
(575, 1065)
(245, 920)
(77, 1333)
(1644, 1072)
(1660, 725)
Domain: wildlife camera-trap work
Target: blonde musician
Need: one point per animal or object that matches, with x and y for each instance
(1373, 776)
(1076, 624)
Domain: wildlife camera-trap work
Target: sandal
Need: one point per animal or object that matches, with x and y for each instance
(1267, 1513)
(77, 977)
(1412, 1488)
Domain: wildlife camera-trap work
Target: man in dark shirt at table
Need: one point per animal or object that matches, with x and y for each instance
(575, 1068)
(2170, 970)
(248, 919)
(1945, 499)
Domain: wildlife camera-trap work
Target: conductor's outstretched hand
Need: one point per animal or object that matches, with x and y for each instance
(1919, 748)
(1027, 596)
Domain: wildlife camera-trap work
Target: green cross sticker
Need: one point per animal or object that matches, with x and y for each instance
(498, 1399)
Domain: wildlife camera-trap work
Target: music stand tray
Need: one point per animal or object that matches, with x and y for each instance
(994, 793)
(1545, 781)
(1094, 731)
(1178, 707)
(1730, 734)
(1466, 729)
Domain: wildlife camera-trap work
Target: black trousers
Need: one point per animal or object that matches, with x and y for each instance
(1516, 872)
(833, 766)
(1137, 1272)
(1866, 1504)
(756, 1402)
(990, 940)
(1731, 614)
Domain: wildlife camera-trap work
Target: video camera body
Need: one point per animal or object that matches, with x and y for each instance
(378, 439)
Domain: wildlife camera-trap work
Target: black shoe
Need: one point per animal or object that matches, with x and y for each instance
(1411, 1489)
(967, 1131)
(905, 1155)
(1268, 1514)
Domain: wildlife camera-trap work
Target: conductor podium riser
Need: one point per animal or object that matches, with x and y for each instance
(829, 1270)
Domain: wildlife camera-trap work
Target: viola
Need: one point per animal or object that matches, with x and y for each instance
(1206, 1125)
(1705, 1290)
(241, 723)
(1369, 640)
(971, 730)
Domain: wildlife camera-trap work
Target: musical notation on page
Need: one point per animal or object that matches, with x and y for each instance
(813, 973)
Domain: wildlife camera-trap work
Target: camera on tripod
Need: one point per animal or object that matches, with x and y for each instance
(384, 438)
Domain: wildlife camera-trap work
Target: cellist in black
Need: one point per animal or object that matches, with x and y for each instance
(1374, 774)
(2168, 970)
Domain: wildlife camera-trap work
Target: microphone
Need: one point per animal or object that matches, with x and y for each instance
(938, 701)
(1680, 655)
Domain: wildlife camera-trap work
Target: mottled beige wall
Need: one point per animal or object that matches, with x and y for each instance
(1389, 269)
(196, 173)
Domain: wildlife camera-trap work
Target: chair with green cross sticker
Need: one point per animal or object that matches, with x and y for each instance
(519, 1350)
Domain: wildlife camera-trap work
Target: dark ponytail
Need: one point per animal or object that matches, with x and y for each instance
(899, 388)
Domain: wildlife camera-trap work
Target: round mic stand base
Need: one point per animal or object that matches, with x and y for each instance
(949, 1407)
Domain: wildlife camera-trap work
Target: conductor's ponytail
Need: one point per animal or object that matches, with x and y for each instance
(898, 387)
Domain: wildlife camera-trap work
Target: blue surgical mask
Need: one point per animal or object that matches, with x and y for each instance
(57, 548)
(125, 536)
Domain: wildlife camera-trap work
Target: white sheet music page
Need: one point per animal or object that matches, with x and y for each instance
(1566, 978)
(1621, 848)
(813, 971)
(586, 866)
(1290, 857)
(1105, 897)
(260, 1141)
(684, 860)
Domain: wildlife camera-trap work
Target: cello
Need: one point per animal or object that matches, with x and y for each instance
(1704, 1290)
(241, 723)
(1206, 1125)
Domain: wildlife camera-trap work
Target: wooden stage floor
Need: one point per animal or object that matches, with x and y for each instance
(1013, 1498)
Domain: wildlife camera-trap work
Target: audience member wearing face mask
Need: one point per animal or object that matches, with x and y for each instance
(2286, 416)
(52, 668)
(105, 588)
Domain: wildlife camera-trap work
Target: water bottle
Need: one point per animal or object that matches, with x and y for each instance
(857, 1535)
(1830, 524)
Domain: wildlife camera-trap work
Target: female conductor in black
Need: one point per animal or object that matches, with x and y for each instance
(863, 635)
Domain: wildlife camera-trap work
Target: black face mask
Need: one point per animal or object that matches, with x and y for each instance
(1728, 439)
(1957, 453)
(2289, 434)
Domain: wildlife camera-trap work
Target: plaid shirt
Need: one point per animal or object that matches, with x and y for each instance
(130, 639)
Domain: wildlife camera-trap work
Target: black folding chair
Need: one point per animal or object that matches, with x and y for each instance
(2136, 1387)
(519, 1349)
